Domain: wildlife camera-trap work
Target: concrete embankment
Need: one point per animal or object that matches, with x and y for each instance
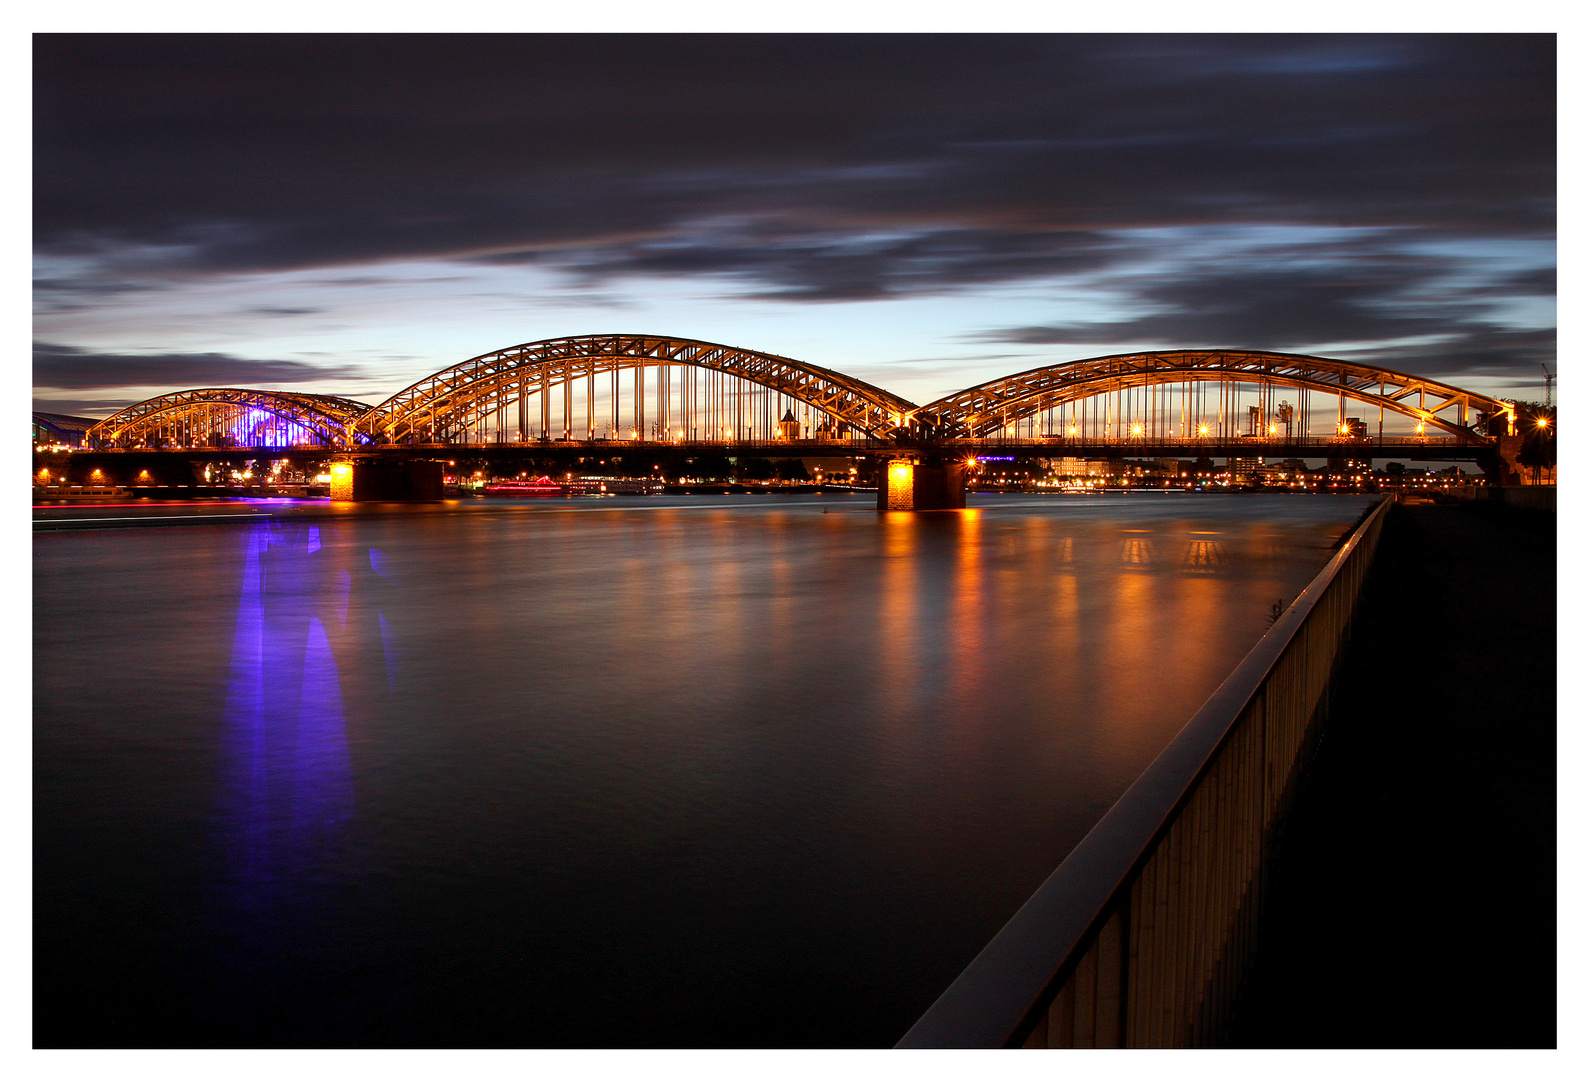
(1414, 902)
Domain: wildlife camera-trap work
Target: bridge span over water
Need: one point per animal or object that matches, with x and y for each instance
(606, 392)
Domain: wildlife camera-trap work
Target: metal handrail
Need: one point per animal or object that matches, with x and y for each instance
(1090, 931)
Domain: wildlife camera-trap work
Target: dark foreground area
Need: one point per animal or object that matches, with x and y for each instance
(1414, 904)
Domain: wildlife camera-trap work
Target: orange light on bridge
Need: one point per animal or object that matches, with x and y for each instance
(1135, 429)
(1072, 429)
(1543, 422)
(1203, 430)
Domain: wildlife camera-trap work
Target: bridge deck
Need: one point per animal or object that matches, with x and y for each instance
(1416, 448)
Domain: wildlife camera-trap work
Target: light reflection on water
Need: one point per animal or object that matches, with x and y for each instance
(743, 773)
(288, 795)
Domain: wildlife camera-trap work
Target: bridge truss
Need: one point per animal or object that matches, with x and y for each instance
(1183, 395)
(631, 387)
(229, 416)
(626, 388)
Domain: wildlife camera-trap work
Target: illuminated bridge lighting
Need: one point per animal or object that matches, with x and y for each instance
(636, 388)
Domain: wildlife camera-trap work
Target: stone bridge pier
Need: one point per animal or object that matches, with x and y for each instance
(355, 479)
(923, 482)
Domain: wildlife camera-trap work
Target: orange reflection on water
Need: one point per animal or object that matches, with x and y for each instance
(1203, 556)
(1136, 552)
(898, 620)
(967, 622)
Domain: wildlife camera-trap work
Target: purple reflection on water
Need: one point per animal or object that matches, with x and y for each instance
(322, 775)
(245, 727)
(388, 645)
(289, 795)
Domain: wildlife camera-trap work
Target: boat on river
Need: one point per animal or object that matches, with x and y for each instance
(524, 488)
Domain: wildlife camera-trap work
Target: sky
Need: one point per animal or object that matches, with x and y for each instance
(346, 215)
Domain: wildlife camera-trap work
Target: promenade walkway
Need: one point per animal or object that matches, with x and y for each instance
(1414, 903)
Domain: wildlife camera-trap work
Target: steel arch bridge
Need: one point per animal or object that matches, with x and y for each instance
(710, 393)
(992, 407)
(242, 417)
(478, 395)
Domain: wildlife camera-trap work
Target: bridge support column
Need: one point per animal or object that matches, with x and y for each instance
(907, 484)
(1508, 473)
(353, 480)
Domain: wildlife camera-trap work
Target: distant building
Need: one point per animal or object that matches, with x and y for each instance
(1348, 468)
(1242, 469)
(788, 427)
(54, 429)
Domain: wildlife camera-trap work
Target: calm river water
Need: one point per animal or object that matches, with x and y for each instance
(711, 771)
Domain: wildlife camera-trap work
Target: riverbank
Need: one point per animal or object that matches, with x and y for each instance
(1414, 902)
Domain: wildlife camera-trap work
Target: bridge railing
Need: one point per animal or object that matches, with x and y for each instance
(1220, 445)
(1142, 935)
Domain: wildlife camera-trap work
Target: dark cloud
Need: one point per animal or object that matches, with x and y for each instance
(1495, 352)
(285, 311)
(857, 266)
(92, 408)
(819, 168)
(1539, 282)
(77, 286)
(59, 295)
(1367, 293)
(1257, 308)
(249, 152)
(65, 367)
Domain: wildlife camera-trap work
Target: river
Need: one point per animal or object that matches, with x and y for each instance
(674, 771)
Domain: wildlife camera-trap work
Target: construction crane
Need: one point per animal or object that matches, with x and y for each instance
(1549, 387)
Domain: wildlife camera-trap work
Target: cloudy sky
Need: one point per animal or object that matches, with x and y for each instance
(347, 214)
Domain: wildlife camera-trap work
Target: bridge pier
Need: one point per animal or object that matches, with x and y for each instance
(365, 480)
(909, 484)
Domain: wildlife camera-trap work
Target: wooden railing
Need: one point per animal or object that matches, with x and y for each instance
(1142, 936)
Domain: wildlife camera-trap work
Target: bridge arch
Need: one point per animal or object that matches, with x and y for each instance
(477, 394)
(985, 409)
(219, 416)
